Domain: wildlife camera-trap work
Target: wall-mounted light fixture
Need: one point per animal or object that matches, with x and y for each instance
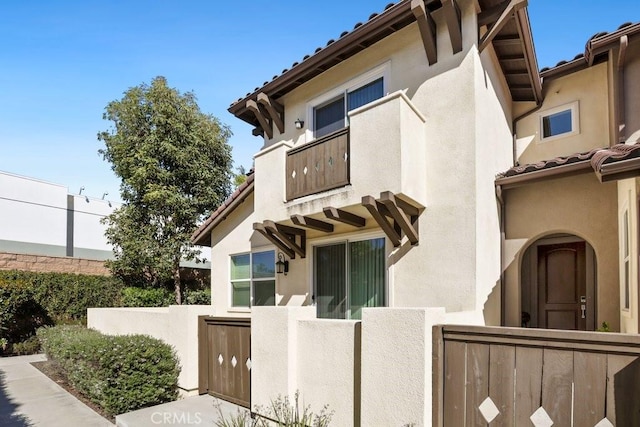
(299, 123)
(282, 266)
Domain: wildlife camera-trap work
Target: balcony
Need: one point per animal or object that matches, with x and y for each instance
(318, 166)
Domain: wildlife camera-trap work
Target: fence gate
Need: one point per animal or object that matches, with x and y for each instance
(224, 358)
(487, 376)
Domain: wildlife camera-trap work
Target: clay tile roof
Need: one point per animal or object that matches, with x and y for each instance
(202, 236)
(595, 160)
(593, 53)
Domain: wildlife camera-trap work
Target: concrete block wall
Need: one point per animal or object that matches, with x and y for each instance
(51, 264)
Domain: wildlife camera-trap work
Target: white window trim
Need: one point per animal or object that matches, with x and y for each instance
(243, 309)
(625, 286)
(381, 70)
(575, 121)
(365, 235)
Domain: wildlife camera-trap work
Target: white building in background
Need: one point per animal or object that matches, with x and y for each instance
(45, 228)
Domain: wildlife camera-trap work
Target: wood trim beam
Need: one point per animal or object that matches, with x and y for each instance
(284, 233)
(344, 216)
(505, 15)
(406, 223)
(257, 111)
(374, 206)
(490, 15)
(427, 28)
(312, 223)
(454, 24)
(275, 110)
(273, 239)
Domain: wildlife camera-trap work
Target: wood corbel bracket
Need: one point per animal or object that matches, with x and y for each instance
(274, 109)
(504, 11)
(396, 217)
(261, 115)
(454, 23)
(427, 27)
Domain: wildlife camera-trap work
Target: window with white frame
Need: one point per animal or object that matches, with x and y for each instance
(252, 277)
(560, 121)
(626, 261)
(329, 112)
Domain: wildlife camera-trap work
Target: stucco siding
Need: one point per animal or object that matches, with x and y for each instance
(593, 107)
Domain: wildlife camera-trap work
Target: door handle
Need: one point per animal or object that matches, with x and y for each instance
(583, 308)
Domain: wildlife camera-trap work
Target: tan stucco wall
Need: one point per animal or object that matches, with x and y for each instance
(578, 205)
(593, 112)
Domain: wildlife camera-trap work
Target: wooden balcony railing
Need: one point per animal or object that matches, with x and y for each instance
(318, 166)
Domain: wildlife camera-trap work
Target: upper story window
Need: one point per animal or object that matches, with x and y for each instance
(559, 122)
(331, 116)
(329, 111)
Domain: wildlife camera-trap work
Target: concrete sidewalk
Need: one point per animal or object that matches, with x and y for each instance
(30, 398)
(196, 410)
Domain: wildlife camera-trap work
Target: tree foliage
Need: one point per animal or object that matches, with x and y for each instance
(174, 163)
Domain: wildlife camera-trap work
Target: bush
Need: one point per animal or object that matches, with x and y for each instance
(138, 297)
(29, 346)
(64, 296)
(30, 300)
(202, 297)
(119, 373)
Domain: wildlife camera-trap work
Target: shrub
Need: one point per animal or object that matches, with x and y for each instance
(119, 373)
(29, 346)
(198, 297)
(20, 313)
(64, 296)
(139, 297)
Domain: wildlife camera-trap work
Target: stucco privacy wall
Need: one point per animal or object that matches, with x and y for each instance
(578, 205)
(177, 325)
(593, 106)
(396, 365)
(628, 200)
(274, 356)
(374, 372)
(328, 363)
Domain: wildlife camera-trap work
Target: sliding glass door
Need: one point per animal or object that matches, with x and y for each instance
(349, 276)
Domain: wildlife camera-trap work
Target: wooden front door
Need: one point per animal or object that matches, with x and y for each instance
(562, 290)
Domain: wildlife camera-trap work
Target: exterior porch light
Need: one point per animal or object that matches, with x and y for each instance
(282, 266)
(299, 123)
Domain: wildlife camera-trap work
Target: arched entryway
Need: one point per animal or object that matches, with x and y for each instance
(558, 284)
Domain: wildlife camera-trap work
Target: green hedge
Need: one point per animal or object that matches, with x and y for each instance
(119, 373)
(30, 300)
(139, 297)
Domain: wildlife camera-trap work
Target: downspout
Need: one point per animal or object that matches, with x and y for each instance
(624, 42)
(500, 199)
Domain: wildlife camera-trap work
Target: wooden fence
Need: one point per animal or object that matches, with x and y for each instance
(534, 377)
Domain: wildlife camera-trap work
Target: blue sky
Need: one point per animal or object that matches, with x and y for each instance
(62, 61)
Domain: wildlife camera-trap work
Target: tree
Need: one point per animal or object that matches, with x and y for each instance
(174, 163)
(240, 177)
